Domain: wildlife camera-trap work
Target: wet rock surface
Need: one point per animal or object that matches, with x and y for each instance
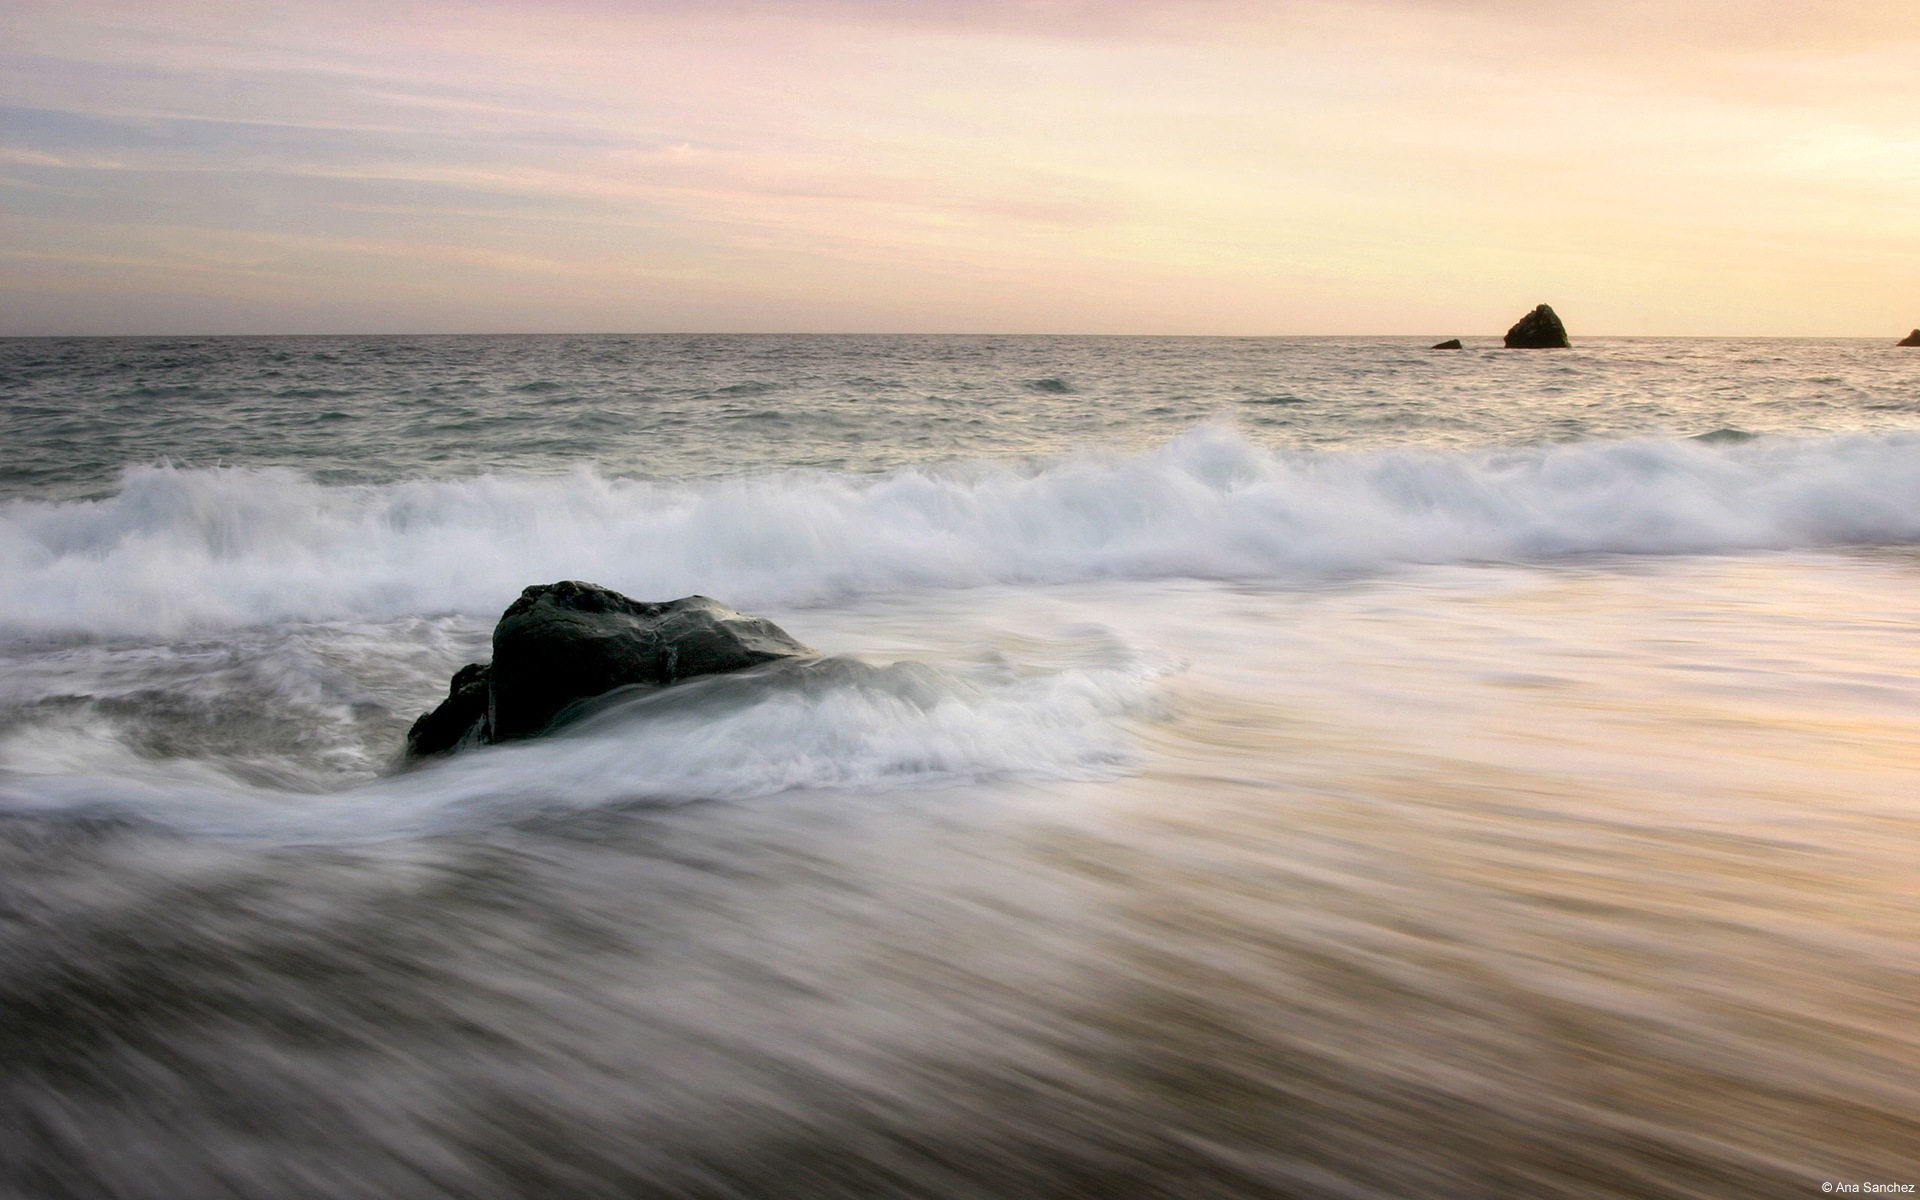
(562, 643)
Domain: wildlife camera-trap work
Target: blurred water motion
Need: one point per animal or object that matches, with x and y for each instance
(1474, 881)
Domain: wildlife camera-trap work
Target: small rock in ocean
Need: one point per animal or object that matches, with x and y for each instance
(1538, 330)
(461, 719)
(1449, 344)
(561, 643)
(1912, 339)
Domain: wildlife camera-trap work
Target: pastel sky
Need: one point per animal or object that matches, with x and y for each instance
(1430, 167)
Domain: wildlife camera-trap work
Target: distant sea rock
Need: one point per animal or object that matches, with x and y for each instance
(1538, 330)
(1912, 339)
(1449, 344)
(562, 643)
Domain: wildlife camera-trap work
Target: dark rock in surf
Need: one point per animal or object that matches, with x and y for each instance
(461, 719)
(1449, 344)
(1912, 339)
(1538, 330)
(562, 643)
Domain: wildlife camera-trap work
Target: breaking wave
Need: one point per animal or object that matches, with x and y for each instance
(828, 723)
(174, 549)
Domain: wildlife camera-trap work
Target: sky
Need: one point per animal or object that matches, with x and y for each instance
(1419, 167)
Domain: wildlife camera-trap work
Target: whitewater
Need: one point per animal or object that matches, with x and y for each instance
(173, 550)
(1235, 767)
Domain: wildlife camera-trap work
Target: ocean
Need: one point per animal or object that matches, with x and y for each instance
(1235, 768)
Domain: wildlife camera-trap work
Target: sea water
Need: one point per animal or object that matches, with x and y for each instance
(1242, 767)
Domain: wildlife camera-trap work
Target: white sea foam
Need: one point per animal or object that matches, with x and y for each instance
(175, 550)
(833, 723)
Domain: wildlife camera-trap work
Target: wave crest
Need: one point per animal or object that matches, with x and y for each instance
(177, 549)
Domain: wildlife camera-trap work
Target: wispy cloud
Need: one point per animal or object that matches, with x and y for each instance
(1209, 165)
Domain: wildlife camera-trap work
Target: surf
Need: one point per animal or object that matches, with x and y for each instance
(174, 550)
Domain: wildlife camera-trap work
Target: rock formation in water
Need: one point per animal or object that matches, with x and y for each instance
(459, 722)
(562, 643)
(1912, 339)
(1538, 330)
(1449, 344)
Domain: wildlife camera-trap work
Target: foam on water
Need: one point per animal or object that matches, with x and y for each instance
(1455, 879)
(830, 723)
(177, 550)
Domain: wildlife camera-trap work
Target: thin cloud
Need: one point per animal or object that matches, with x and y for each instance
(1245, 167)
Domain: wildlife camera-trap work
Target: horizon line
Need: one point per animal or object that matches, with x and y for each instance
(1780, 337)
